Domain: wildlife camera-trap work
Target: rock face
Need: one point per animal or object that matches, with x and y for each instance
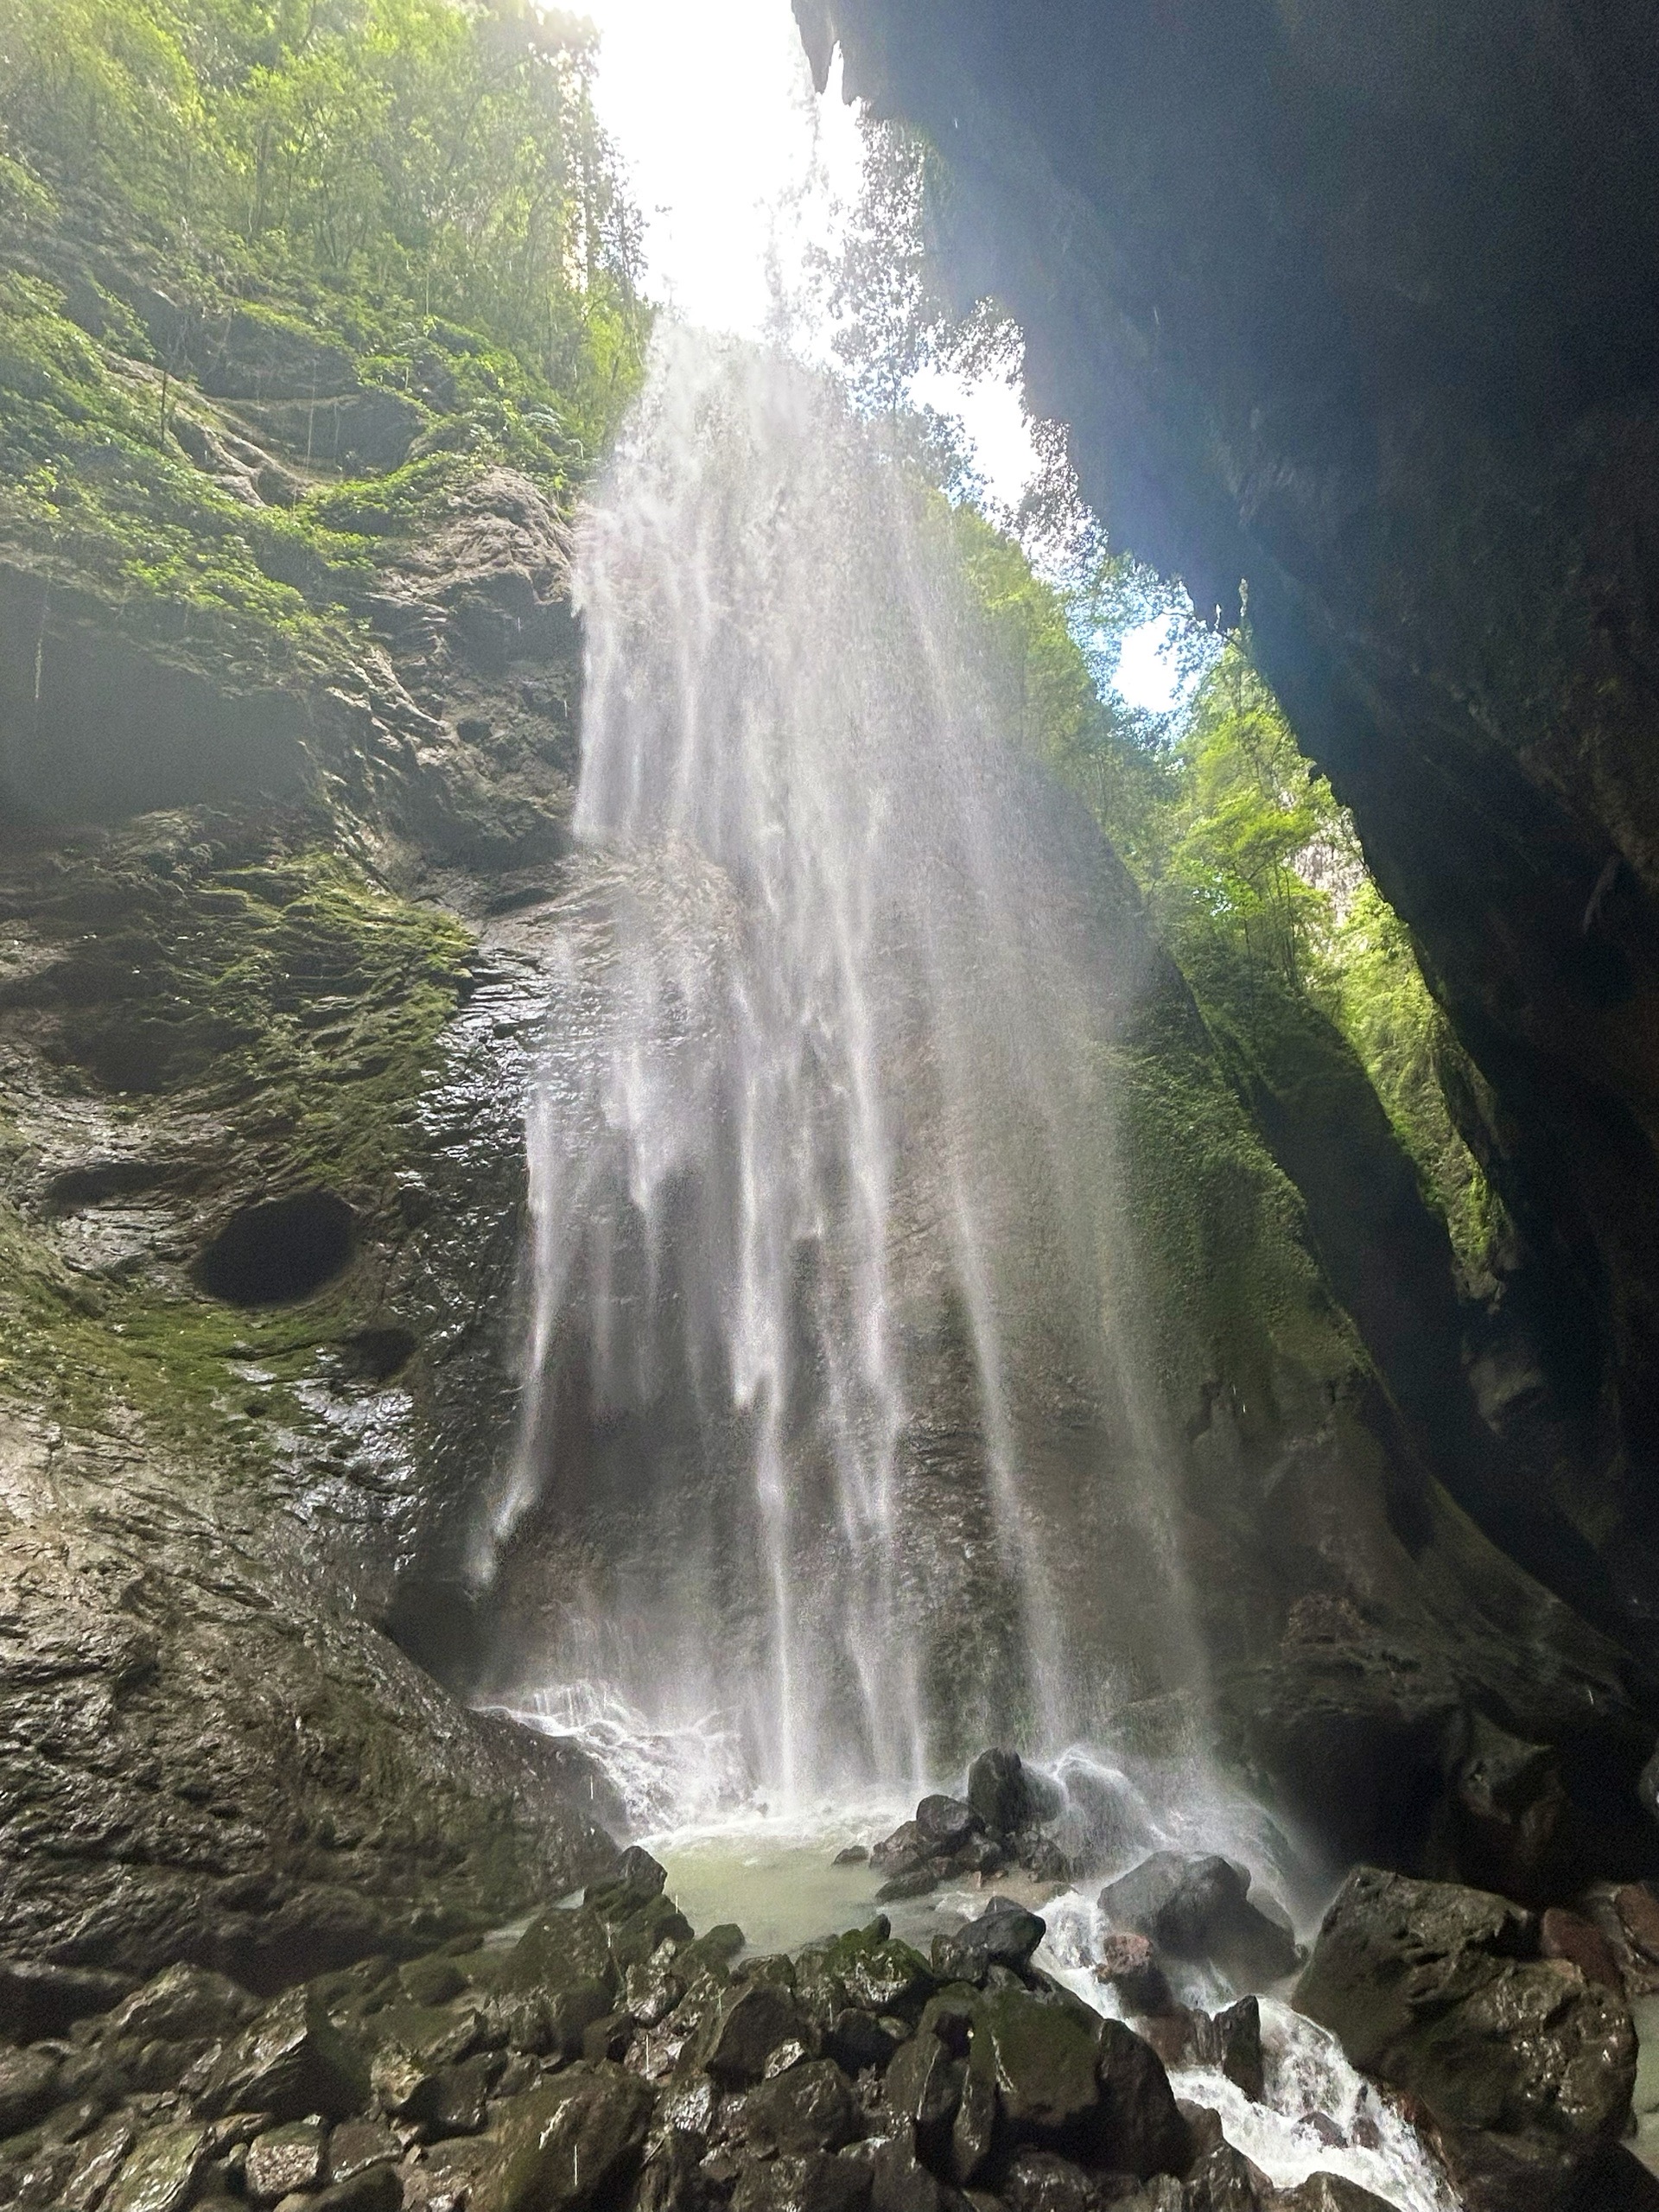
(1414, 417)
(1527, 2065)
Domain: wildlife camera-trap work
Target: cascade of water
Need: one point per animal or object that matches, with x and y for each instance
(832, 1425)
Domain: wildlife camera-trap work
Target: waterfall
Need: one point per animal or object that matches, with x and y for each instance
(833, 1439)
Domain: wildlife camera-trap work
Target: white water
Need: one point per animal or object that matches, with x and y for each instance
(833, 1442)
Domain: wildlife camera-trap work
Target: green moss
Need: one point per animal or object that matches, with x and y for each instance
(1232, 1294)
(290, 1008)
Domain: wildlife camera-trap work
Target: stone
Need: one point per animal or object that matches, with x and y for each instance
(431, 1981)
(1005, 1934)
(856, 2040)
(1198, 1909)
(1639, 1912)
(1563, 1934)
(28, 2087)
(900, 2182)
(1232, 2042)
(1430, 1987)
(1039, 1856)
(1129, 1964)
(574, 2009)
(884, 1976)
(291, 2061)
(945, 1824)
(1508, 1825)
(1042, 2058)
(923, 2085)
(285, 2158)
(1140, 2130)
(457, 2103)
(914, 1882)
(1223, 2180)
(160, 2172)
(1007, 1796)
(748, 2023)
(357, 2145)
(813, 2183)
(183, 2003)
(377, 2189)
(1041, 2181)
(809, 2107)
(573, 2141)
(561, 1949)
(902, 1852)
(852, 1854)
(973, 2131)
(1326, 2192)
(98, 2156)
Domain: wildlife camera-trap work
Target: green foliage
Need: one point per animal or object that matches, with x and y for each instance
(393, 158)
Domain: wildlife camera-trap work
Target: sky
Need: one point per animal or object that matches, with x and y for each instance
(738, 165)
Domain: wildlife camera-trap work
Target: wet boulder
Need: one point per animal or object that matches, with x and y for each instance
(1005, 1934)
(1199, 1909)
(559, 1949)
(1007, 1796)
(1324, 2192)
(924, 2087)
(1223, 2180)
(283, 2160)
(183, 2003)
(574, 2140)
(161, 2171)
(1140, 2129)
(290, 2062)
(28, 2087)
(1128, 1963)
(945, 1824)
(1042, 2059)
(816, 2182)
(1528, 2066)
(750, 2022)
(1041, 2181)
(806, 2107)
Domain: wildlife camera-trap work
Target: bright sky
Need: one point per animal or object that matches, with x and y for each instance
(737, 163)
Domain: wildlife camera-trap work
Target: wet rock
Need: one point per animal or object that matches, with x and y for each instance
(902, 1852)
(431, 1981)
(914, 1881)
(357, 2145)
(161, 2171)
(1508, 1824)
(1325, 2192)
(809, 2107)
(380, 2189)
(856, 2040)
(183, 2003)
(1005, 1934)
(749, 2023)
(99, 2157)
(1128, 1963)
(900, 2183)
(1223, 2180)
(28, 2087)
(573, 2011)
(1232, 2042)
(973, 2131)
(1008, 1796)
(945, 1824)
(923, 2085)
(1042, 2058)
(813, 2183)
(573, 2141)
(1527, 2067)
(291, 2062)
(1039, 1856)
(853, 1854)
(560, 1950)
(284, 2158)
(1140, 2130)
(1198, 1909)
(1563, 1934)
(1041, 2181)
(868, 1970)
(1638, 1913)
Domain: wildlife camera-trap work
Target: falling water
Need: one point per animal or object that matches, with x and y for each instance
(833, 1446)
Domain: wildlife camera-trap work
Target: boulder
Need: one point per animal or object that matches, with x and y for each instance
(160, 2172)
(283, 2160)
(357, 2145)
(1563, 1934)
(750, 2021)
(1128, 1963)
(28, 2087)
(814, 2183)
(559, 1949)
(1527, 2067)
(573, 2141)
(1007, 1796)
(183, 2004)
(1005, 1934)
(1140, 2129)
(1323, 2192)
(1041, 2181)
(1042, 2059)
(923, 2087)
(1223, 2180)
(945, 1824)
(291, 2062)
(1199, 1909)
(807, 2108)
